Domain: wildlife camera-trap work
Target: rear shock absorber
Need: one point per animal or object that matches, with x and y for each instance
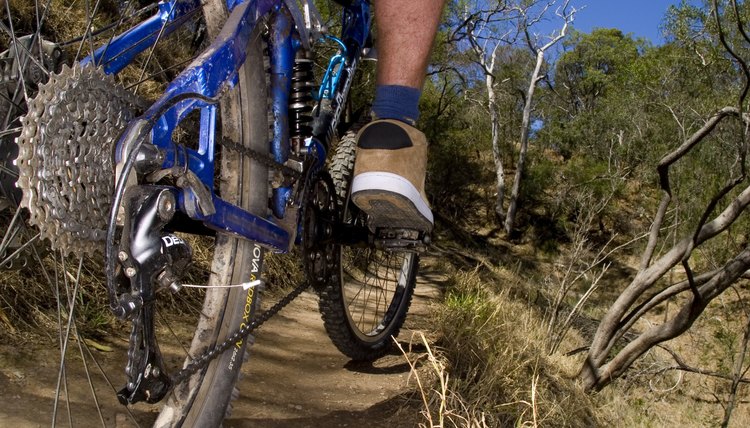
(300, 100)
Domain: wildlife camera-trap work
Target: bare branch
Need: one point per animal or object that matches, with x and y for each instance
(597, 374)
(682, 366)
(691, 142)
(605, 336)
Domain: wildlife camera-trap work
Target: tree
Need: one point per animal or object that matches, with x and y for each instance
(567, 17)
(483, 28)
(702, 283)
(591, 81)
(484, 31)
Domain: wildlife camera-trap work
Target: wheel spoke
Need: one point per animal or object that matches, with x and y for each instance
(19, 250)
(159, 73)
(153, 48)
(109, 382)
(167, 325)
(14, 41)
(64, 340)
(88, 378)
(87, 36)
(10, 232)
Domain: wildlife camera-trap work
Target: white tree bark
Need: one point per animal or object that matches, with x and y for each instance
(496, 152)
(485, 38)
(568, 18)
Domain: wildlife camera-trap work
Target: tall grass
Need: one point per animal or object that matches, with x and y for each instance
(492, 367)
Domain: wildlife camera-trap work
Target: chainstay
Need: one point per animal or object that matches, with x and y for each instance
(202, 361)
(211, 354)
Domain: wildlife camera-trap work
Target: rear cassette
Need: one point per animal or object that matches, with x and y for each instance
(65, 155)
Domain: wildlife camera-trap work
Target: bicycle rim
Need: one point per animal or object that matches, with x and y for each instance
(72, 280)
(366, 305)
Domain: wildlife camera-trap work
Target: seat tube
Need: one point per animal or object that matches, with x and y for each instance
(282, 49)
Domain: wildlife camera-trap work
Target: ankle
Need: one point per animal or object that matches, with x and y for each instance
(397, 102)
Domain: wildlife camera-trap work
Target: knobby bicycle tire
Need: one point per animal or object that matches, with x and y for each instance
(365, 305)
(204, 400)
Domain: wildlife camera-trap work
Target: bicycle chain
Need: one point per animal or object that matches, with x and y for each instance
(202, 361)
(261, 158)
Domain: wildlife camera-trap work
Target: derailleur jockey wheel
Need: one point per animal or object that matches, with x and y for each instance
(321, 215)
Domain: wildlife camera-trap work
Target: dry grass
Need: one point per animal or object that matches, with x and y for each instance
(442, 406)
(492, 369)
(283, 272)
(490, 366)
(29, 296)
(65, 20)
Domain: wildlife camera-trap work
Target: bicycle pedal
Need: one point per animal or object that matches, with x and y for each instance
(394, 239)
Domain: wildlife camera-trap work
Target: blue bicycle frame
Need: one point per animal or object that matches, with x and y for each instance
(200, 86)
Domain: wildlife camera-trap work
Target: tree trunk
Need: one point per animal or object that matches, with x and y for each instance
(525, 125)
(496, 154)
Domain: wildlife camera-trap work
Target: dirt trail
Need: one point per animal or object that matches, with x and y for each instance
(295, 377)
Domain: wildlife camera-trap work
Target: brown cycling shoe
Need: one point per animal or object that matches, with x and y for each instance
(389, 176)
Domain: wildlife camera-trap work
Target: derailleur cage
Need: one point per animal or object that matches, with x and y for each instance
(150, 260)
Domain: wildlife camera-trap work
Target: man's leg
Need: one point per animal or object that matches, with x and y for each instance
(392, 155)
(406, 31)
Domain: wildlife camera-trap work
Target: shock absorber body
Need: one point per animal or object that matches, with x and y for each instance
(300, 100)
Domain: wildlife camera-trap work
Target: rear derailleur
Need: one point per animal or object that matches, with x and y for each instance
(149, 261)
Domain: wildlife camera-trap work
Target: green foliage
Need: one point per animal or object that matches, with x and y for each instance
(456, 130)
(593, 65)
(540, 176)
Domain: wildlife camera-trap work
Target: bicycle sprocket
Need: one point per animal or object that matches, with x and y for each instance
(65, 155)
(320, 217)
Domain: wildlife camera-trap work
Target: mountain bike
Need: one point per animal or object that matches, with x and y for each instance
(230, 149)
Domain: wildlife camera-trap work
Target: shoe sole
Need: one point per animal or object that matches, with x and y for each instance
(391, 201)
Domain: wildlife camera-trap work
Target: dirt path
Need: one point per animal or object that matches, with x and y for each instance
(295, 377)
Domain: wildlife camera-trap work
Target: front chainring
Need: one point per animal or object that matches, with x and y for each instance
(320, 218)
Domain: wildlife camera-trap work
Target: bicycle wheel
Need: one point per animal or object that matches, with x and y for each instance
(204, 399)
(365, 306)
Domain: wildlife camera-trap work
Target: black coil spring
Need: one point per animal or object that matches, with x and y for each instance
(300, 100)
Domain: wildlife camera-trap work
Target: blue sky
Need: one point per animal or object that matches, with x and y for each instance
(640, 17)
